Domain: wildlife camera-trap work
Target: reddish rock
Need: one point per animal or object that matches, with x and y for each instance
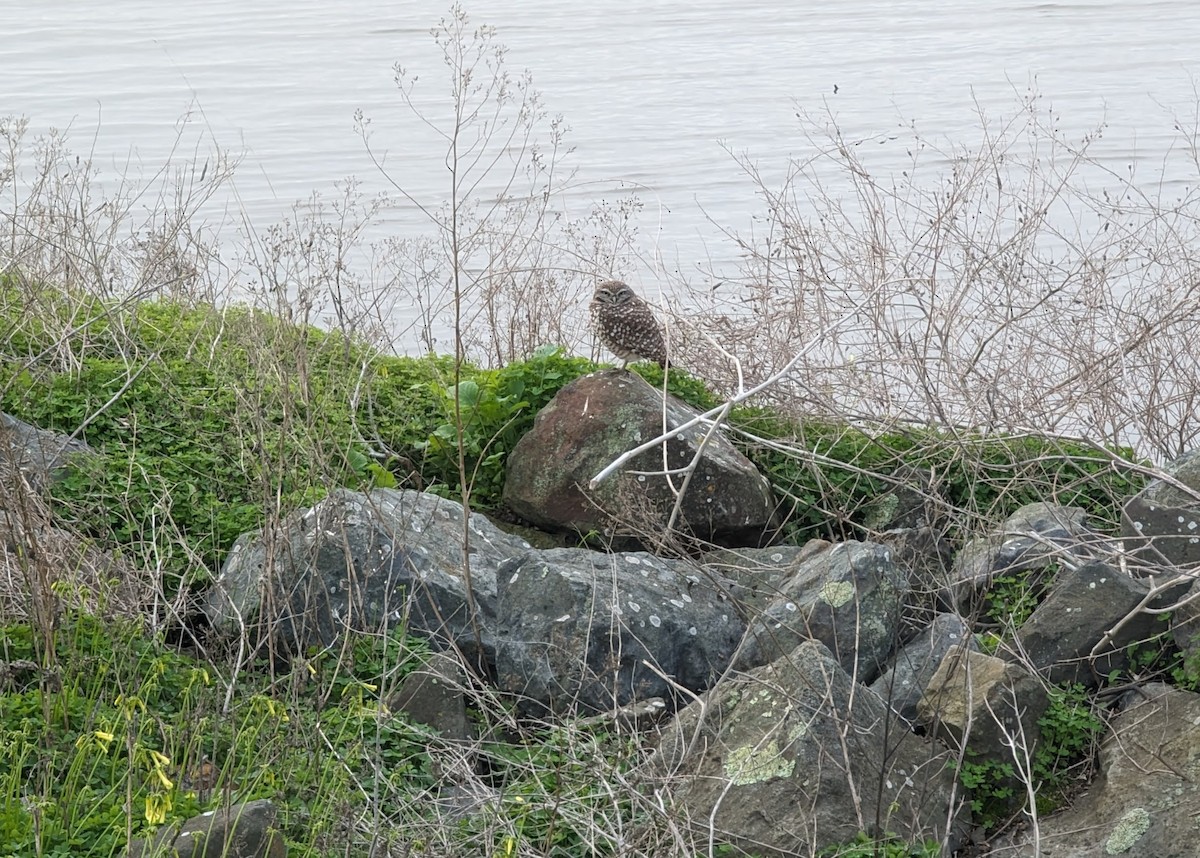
(594, 420)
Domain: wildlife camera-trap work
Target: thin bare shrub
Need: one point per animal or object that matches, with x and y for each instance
(1004, 291)
(67, 222)
(507, 268)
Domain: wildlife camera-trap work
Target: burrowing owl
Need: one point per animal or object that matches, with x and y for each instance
(626, 325)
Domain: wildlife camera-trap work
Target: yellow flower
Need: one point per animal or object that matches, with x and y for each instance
(163, 779)
(130, 705)
(157, 807)
(100, 737)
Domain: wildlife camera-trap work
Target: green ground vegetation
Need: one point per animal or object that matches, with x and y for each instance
(209, 422)
(1060, 763)
(120, 720)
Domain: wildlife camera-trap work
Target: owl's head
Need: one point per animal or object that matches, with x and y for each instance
(612, 292)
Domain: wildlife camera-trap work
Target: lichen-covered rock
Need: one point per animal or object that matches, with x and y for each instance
(1160, 525)
(984, 703)
(585, 631)
(794, 756)
(1083, 605)
(596, 418)
(757, 574)
(1143, 803)
(365, 562)
(850, 597)
(911, 502)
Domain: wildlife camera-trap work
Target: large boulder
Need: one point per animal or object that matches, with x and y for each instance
(596, 418)
(1143, 803)
(1161, 523)
(1084, 628)
(1035, 541)
(909, 673)
(586, 631)
(794, 757)
(849, 596)
(366, 562)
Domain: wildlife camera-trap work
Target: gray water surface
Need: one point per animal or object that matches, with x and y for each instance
(659, 97)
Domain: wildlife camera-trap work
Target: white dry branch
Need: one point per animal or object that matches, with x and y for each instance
(1020, 746)
(1156, 589)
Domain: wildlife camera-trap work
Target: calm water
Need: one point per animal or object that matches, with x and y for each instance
(656, 99)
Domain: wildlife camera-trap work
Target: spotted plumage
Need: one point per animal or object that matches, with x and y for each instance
(626, 325)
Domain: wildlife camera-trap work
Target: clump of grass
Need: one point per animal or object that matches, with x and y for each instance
(110, 743)
(203, 422)
(831, 473)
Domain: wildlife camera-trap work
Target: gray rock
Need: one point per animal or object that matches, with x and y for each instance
(433, 695)
(1185, 629)
(595, 419)
(905, 681)
(1082, 606)
(925, 556)
(794, 757)
(237, 831)
(1036, 539)
(912, 502)
(984, 703)
(69, 570)
(39, 455)
(366, 562)
(758, 574)
(1160, 525)
(849, 597)
(583, 630)
(1143, 803)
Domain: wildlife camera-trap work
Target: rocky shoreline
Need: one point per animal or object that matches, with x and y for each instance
(797, 694)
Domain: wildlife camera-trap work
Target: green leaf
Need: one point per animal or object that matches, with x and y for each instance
(468, 394)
